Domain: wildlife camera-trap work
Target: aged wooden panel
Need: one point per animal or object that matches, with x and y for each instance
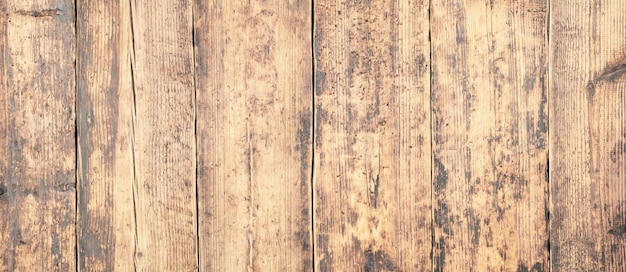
(489, 135)
(372, 136)
(163, 136)
(37, 172)
(588, 135)
(254, 93)
(106, 226)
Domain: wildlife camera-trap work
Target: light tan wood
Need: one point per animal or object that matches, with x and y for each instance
(489, 135)
(372, 136)
(37, 153)
(106, 216)
(163, 142)
(254, 92)
(588, 135)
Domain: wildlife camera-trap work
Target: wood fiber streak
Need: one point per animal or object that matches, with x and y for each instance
(254, 96)
(164, 148)
(106, 219)
(37, 153)
(372, 191)
(588, 135)
(489, 135)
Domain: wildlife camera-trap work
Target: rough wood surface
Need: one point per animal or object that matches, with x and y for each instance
(489, 135)
(372, 137)
(254, 93)
(37, 153)
(588, 135)
(163, 142)
(106, 226)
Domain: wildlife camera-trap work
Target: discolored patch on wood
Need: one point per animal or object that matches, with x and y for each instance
(324, 256)
(612, 73)
(377, 261)
(537, 267)
(441, 174)
(618, 151)
(618, 231)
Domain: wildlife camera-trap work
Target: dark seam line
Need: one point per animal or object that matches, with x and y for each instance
(547, 94)
(76, 144)
(312, 213)
(430, 115)
(195, 130)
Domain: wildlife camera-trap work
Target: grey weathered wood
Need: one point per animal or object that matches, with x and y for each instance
(254, 94)
(588, 135)
(489, 119)
(37, 152)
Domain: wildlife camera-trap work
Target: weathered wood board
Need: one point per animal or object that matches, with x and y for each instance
(106, 226)
(37, 153)
(372, 136)
(164, 149)
(588, 135)
(254, 94)
(489, 121)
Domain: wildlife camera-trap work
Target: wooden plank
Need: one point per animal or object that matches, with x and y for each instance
(37, 176)
(588, 135)
(254, 96)
(106, 226)
(372, 136)
(163, 142)
(489, 135)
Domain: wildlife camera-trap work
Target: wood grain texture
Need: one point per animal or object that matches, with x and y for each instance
(372, 136)
(588, 135)
(489, 135)
(164, 148)
(37, 163)
(106, 218)
(254, 88)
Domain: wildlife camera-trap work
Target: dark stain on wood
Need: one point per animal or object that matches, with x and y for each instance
(612, 73)
(39, 13)
(320, 81)
(537, 267)
(326, 260)
(618, 151)
(618, 231)
(377, 261)
(473, 224)
(304, 140)
(441, 174)
(442, 217)
(440, 258)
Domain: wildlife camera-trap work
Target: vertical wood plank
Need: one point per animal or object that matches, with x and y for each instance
(372, 136)
(37, 177)
(489, 135)
(106, 218)
(588, 135)
(254, 95)
(164, 147)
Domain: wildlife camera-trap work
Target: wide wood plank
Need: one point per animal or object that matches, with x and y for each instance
(106, 225)
(372, 136)
(254, 93)
(163, 141)
(37, 153)
(489, 135)
(588, 135)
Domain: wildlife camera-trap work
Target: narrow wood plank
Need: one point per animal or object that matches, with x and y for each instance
(372, 136)
(37, 175)
(254, 95)
(588, 135)
(489, 135)
(163, 142)
(106, 226)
